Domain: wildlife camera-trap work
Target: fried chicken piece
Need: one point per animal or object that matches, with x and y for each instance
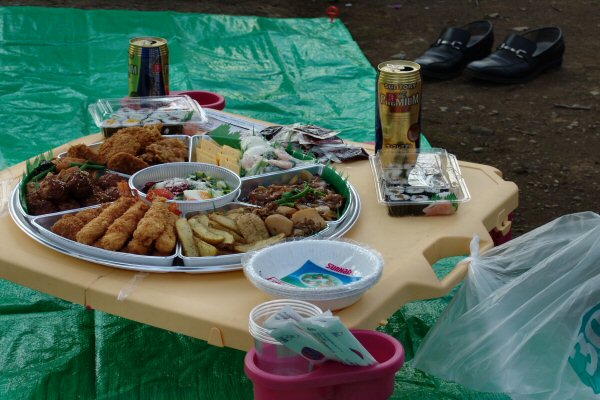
(85, 152)
(120, 143)
(165, 151)
(119, 232)
(149, 228)
(98, 226)
(146, 135)
(65, 162)
(126, 163)
(68, 226)
(165, 243)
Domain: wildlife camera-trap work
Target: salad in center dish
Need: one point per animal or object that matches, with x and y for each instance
(197, 186)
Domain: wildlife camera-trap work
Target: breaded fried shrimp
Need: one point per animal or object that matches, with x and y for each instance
(149, 228)
(119, 232)
(97, 227)
(68, 226)
(165, 243)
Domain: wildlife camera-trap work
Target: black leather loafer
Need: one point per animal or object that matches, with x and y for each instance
(456, 47)
(520, 58)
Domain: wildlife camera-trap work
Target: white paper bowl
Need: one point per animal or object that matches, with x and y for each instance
(161, 172)
(282, 259)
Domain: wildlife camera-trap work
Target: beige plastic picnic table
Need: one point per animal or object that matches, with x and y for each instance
(215, 307)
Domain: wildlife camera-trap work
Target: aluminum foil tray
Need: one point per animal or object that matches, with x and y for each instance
(37, 227)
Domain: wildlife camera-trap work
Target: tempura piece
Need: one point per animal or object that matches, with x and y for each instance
(149, 228)
(165, 243)
(126, 163)
(119, 232)
(97, 227)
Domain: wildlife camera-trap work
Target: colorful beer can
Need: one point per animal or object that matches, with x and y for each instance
(398, 106)
(148, 67)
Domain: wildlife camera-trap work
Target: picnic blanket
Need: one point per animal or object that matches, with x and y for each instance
(280, 70)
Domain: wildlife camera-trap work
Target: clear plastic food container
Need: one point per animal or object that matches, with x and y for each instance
(422, 182)
(177, 114)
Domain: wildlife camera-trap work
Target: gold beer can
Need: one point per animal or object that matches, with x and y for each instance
(398, 106)
(148, 67)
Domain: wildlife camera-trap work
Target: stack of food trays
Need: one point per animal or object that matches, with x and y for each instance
(39, 227)
(425, 182)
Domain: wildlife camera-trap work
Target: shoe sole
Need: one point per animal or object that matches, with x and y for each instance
(495, 79)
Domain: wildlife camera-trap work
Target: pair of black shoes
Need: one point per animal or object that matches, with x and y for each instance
(520, 57)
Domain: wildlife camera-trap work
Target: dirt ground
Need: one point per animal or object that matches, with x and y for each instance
(544, 135)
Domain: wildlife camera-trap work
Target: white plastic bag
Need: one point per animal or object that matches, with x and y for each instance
(526, 321)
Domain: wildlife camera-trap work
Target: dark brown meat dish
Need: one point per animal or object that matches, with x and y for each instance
(69, 189)
(322, 197)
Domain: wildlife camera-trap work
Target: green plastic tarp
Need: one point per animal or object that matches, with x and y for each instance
(277, 70)
(53, 63)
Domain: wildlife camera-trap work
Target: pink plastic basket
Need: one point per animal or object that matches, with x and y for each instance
(204, 98)
(332, 380)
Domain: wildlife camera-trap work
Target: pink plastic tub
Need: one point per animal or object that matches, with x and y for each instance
(332, 380)
(204, 98)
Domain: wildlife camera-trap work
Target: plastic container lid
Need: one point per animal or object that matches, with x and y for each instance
(139, 111)
(422, 177)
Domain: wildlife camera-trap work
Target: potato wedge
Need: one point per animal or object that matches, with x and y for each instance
(251, 227)
(229, 239)
(277, 223)
(206, 249)
(227, 222)
(237, 237)
(202, 218)
(186, 237)
(244, 248)
(203, 233)
(309, 214)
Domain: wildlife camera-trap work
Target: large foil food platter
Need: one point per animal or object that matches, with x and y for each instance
(38, 228)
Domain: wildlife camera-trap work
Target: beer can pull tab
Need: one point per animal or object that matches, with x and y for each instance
(333, 12)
